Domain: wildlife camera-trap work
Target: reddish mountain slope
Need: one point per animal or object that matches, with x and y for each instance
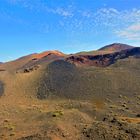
(31, 60)
(47, 53)
(116, 47)
(111, 54)
(103, 60)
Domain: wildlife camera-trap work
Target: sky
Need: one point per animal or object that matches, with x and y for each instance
(29, 26)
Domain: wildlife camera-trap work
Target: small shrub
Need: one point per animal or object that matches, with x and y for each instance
(12, 134)
(138, 115)
(10, 127)
(57, 113)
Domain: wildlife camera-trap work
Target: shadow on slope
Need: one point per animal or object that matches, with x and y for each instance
(103, 60)
(1, 88)
(58, 79)
(65, 80)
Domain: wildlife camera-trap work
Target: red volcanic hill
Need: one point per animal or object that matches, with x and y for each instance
(115, 47)
(113, 53)
(47, 53)
(32, 59)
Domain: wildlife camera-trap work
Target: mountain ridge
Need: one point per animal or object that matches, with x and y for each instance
(116, 47)
(99, 58)
(103, 50)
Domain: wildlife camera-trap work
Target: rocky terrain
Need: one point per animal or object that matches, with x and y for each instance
(84, 96)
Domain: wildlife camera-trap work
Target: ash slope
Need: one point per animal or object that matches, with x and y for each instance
(79, 76)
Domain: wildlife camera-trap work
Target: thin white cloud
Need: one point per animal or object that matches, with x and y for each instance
(132, 32)
(112, 17)
(124, 24)
(63, 12)
(134, 27)
(120, 23)
(41, 6)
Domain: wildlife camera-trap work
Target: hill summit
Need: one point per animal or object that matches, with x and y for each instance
(116, 47)
(47, 53)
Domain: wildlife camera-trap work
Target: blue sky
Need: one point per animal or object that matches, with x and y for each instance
(28, 26)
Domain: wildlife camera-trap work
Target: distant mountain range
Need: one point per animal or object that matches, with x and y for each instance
(115, 47)
(105, 56)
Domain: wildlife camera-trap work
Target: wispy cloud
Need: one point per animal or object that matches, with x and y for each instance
(109, 19)
(124, 24)
(62, 12)
(134, 27)
(112, 17)
(40, 6)
(120, 23)
(132, 32)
